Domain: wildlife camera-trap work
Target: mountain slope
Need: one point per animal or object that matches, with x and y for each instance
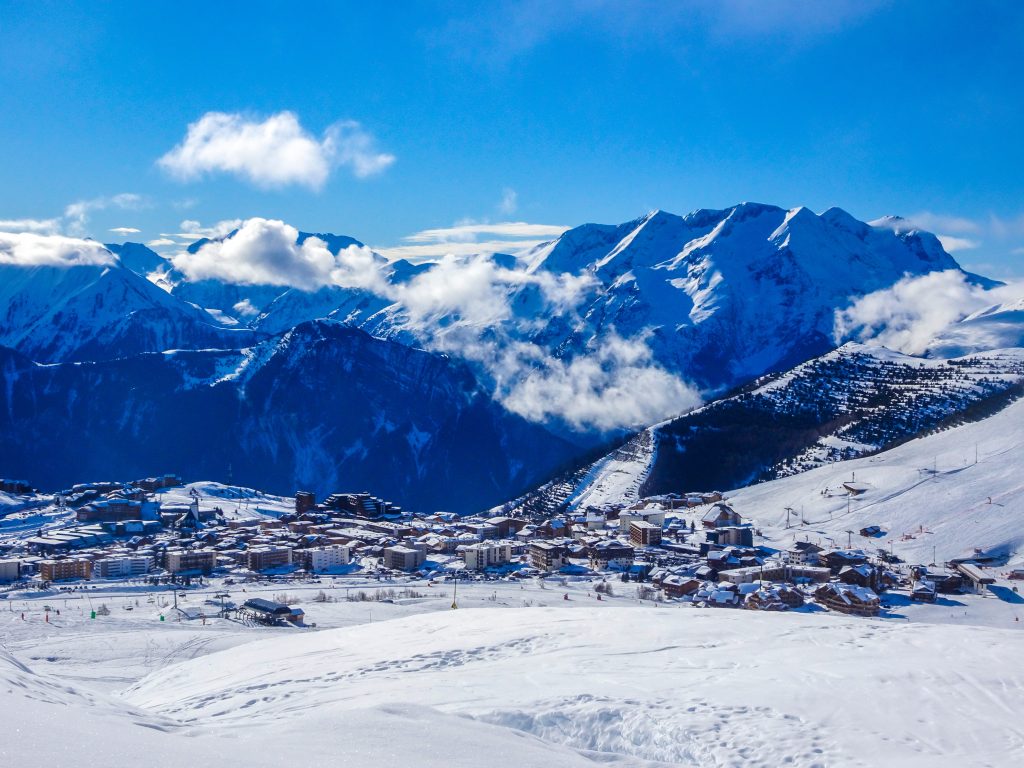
(854, 401)
(323, 407)
(58, 314)
(733, 294)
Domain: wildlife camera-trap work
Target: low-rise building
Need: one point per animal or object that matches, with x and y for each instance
(123, 567)
(185, 560)
(10, 570)
(325, 558)
(611, 554)
(546, 556)
(488, 553)
(265, 558)
(644, 534)
(61, 570)
(399, 558)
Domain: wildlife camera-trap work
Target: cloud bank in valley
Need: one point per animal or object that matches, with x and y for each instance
(467, 306)
(909, 315)
(274, 152)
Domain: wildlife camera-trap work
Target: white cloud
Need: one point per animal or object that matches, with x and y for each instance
(192, 230)
(509, 202)
(161, 242)
(274, 152)
(908, 316)
(464, 239)
(76, 215)
(465, 306)
(30, 225)
(124, 230)
(353, 147)
(953, 244)
(467, 232)
(616, 385)
(937, 222)
(455, 248)
(245, 308)
(29, 249)
(265, 252)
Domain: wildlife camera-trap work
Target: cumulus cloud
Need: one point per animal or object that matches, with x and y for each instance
(265, 252)
(30, 249)
(273, 152)
(909, 315)
(616, 385)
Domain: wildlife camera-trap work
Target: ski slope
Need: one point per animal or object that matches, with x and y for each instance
(930, 495)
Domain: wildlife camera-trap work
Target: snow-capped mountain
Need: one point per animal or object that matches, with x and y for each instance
(731, 294)
(58, 314)
(138, 258)
(324, 407)
(851, 402)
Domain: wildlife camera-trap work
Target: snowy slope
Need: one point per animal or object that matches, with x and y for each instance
(995, 327)
(963, 487)
(855, 400)
(690, 688)
(56, 314)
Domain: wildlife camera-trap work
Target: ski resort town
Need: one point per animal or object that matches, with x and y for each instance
(694, 548)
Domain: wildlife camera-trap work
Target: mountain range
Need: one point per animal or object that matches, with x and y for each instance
(354, 387)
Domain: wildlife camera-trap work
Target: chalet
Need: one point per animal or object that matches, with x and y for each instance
(848, 598)
(862, 575)
(720, 515)
(764, 599)
(732, 535)
(837, 559)
(610, 554)
(923, 591)
(679, 586)
(804, 552)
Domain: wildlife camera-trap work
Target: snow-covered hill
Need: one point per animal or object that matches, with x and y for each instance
(625, 686)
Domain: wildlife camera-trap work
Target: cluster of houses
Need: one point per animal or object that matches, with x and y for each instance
(692, 547)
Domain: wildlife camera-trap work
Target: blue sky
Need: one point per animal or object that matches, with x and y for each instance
(429, 115)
